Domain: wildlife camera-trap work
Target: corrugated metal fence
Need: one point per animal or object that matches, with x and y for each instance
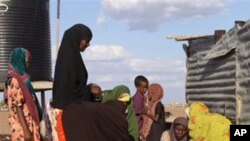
(243, 75)
(218, 73)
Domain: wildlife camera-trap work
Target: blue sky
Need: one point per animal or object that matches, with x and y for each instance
(129, 37)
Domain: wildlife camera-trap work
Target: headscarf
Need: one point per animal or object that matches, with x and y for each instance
(155, 93)
(205, 126)
(131, 118)
(18, 59)
(70, 79)
(17, 69)
(182, 121)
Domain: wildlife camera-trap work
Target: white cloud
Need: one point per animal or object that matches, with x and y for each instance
(105, 78)
(157, 65)
(149, 14)
(105, 53)
(115, 78)
(101, 20)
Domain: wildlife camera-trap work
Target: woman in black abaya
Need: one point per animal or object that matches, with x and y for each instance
(70, 79)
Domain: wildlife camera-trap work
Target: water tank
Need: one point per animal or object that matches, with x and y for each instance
(25, 23)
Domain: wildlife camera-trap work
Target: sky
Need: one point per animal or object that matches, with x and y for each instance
(130, 37)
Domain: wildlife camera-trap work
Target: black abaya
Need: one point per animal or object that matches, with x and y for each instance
(70, 79)
(89, 121)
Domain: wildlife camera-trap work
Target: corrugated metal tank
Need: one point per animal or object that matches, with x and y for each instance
(25, 23)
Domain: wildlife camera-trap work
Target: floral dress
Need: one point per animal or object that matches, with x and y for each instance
(15, 98)
(206, 126)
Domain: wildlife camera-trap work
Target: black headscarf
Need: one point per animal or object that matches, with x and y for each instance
(70, 79)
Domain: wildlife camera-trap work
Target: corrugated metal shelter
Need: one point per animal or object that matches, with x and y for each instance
(243, 75)
(218, 71)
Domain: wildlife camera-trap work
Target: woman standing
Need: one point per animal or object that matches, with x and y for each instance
(22, 102)
(70, 79)
(154, 118)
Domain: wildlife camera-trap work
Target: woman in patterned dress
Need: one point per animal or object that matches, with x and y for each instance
(22, 102)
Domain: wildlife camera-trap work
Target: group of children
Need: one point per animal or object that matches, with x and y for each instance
(150, 114)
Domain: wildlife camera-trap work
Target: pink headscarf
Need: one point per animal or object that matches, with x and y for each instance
(155, 93)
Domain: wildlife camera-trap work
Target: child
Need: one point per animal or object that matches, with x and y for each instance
(141, 84)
